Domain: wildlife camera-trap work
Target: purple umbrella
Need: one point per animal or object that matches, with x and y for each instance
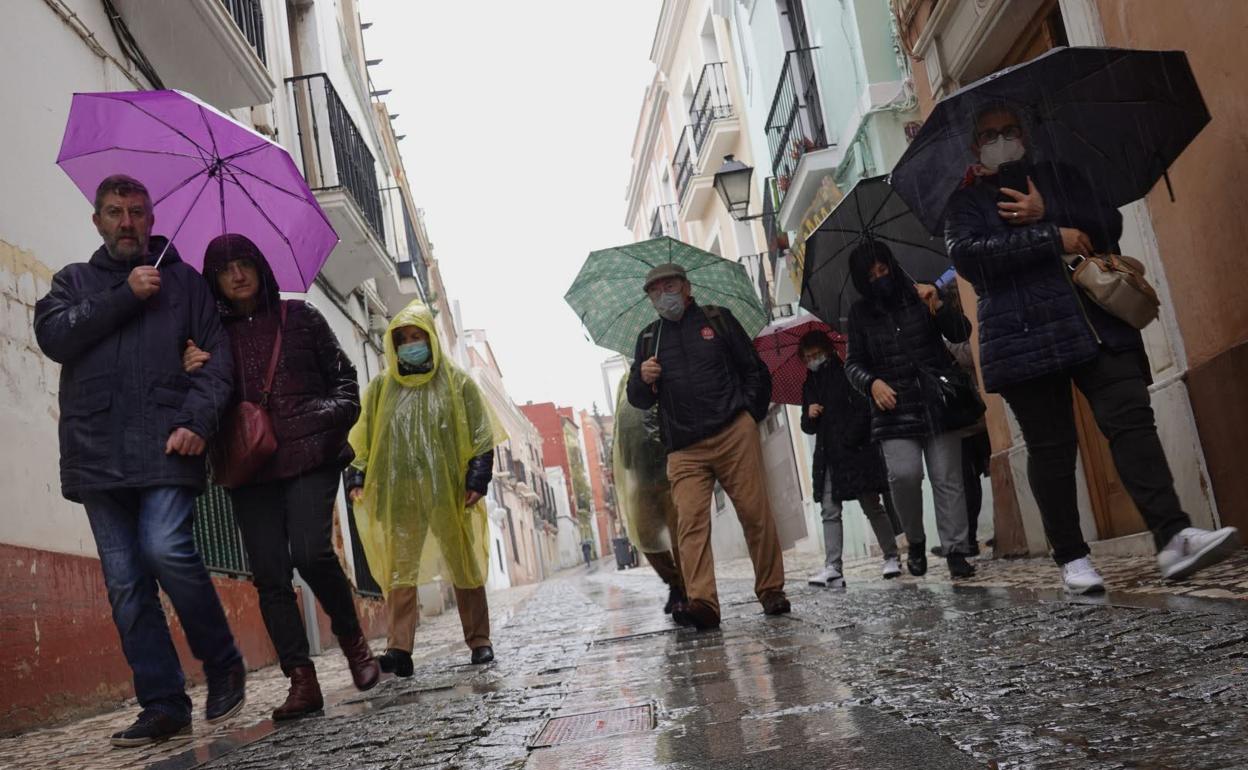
(207, 175)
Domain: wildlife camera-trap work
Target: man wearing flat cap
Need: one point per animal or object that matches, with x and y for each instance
(701, 368)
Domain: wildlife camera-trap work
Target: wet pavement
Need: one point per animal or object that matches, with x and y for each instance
(879, 675)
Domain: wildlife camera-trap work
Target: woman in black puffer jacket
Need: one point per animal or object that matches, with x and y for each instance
(286, 511)
(894, 333)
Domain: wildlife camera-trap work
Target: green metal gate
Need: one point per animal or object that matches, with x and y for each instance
(216, 534)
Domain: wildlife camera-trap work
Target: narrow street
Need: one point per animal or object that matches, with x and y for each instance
(876, 676)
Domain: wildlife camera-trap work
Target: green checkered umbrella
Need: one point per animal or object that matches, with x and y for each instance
(608, 296)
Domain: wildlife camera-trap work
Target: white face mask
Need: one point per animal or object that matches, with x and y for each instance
(670, 305)
(1000, 150)
(816, 362)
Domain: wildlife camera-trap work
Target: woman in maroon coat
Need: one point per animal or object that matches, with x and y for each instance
(285, 512)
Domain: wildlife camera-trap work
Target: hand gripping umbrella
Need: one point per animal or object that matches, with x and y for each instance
(207, 176)
(872, 211)
(608, 297)
(779, 345)
(1120, 117)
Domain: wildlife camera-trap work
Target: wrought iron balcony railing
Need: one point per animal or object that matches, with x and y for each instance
(682, 163)
(711, 102)
(335, 154)
(664, 222)
(414, 266)
(795, 122)
(249, 16)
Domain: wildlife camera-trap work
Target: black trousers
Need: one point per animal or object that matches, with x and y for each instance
(1116, 386)
(288, 525)
(975, 454)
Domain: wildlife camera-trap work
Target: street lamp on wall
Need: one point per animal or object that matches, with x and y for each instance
(732, 182)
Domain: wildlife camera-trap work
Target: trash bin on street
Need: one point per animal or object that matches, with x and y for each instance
(623, 552)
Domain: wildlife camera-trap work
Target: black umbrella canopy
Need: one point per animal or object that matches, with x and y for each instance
(1119, 116)
(871, 211)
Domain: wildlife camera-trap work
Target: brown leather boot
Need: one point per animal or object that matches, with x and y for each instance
(304, 696)
(365, 672)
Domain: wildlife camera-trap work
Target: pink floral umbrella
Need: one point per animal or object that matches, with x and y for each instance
(206, 173)
(777, 345)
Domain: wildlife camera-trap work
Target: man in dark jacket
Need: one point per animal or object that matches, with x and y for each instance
(700, 367)
(1038, 334)
(846, 464)
(132, 432)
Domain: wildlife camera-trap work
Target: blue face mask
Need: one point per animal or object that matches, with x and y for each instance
(882, 287)
(413, 353)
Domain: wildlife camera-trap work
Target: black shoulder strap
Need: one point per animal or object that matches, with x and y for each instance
(716, 317)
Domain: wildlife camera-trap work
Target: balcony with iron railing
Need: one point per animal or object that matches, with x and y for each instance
(711, 102)
(341, 170)
(665, 222)
(214, 49)
(682, 163)
(795, 124)
(249, 16)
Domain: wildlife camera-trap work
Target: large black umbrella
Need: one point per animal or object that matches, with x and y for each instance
(1119, 116)
(871, 211)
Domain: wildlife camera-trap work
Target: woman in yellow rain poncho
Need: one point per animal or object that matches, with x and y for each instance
(643, 493)
(424, 456)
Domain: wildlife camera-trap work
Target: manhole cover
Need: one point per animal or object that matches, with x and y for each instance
(596, 724)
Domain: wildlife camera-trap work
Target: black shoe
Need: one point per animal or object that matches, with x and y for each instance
(397, 662)
(938, 550)
(776, 603)
(702, 616)
(916, 560)
(959, 567)
(674, 596)
(482, 655)
(680, 614)
(227, 693)
(152, 727)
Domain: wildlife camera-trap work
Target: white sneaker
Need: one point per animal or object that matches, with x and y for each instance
(827, 577)
(892, 568)
(1194, 549)
(1081, 577)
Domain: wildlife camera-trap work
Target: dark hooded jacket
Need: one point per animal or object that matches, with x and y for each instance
(315, 398)
(122, 387)
(842, 435)
(890, 339)
(1032, 319)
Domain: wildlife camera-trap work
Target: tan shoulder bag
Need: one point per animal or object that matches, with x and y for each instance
(1117, 284)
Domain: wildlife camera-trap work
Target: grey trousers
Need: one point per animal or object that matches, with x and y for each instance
(834, 531)
(904, 457)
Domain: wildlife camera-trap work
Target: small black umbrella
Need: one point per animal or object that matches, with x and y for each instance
(1119, 116)
(871, 211)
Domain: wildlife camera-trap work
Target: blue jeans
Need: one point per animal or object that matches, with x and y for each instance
(144, 539)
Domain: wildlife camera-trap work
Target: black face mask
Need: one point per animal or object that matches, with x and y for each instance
(882, 287)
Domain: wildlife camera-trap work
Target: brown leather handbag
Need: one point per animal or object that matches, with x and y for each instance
(247, 440)
(1117, 284)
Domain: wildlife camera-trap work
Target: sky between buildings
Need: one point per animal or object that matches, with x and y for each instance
(519, 119)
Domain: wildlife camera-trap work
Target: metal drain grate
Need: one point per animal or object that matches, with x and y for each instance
(596, 724)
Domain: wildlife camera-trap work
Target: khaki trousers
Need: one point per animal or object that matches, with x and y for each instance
(403, 613)
(734, 458)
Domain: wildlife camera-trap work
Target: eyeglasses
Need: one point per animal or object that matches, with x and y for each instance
(988, 135)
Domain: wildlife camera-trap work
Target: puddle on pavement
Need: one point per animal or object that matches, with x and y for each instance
(217, 749)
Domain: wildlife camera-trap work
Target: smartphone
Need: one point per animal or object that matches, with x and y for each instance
(1012, 175)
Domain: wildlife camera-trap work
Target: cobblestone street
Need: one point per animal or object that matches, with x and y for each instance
(877, 675)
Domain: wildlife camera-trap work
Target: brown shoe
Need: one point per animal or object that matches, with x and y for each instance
(365, 672)
(775, 603)
(304, 697)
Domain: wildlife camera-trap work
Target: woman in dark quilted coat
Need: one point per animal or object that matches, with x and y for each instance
(894, 346)
(847, 465)
(1038, 335)
(285, 512)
